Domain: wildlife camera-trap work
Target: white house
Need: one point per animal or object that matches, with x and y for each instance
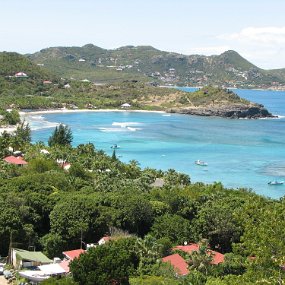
(125, 105)
(21, 74)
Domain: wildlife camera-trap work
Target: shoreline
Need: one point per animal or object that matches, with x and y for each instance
(23, 114)
(58, 111)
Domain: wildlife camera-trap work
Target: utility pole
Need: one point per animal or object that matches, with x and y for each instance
(10, 258)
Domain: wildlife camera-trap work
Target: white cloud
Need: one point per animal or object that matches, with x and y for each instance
(263, 46)
(263, 35)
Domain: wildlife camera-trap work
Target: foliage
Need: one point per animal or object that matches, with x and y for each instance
(173, 227)
(107, 264)
(10, 117)
(62, 135)
(54, 210)
(59, 281)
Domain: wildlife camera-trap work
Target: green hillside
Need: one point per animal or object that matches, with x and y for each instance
(146, 63)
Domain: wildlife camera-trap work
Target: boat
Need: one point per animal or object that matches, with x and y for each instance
(275, 182)
(201, 163)
(115, 146)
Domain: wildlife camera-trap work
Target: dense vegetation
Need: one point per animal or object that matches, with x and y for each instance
(45, 206)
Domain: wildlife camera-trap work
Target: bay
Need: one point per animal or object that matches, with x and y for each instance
(239, 153)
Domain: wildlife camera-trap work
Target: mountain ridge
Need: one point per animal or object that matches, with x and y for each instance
(147, 63)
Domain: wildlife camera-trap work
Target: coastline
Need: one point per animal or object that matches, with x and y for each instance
(56, 111)
(23, 115)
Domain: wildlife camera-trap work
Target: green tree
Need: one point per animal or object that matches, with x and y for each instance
(148, 250)
(107, 264)
(23, 134)
(174, 227)
(62, 135)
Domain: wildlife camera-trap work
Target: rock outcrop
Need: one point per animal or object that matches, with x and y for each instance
(235, 111)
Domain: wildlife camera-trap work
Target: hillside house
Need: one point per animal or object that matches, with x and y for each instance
(180, 265)
(16, 160)
(21, 75)
(23, 258)
(125, 106)
(72, 254)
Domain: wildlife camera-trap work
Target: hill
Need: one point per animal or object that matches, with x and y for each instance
(149, 64)
(25, 85)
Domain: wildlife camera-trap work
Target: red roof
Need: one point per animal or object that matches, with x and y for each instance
(179, 264)
(217, 257)
(65, 265)
(71, 254)
(15, 160)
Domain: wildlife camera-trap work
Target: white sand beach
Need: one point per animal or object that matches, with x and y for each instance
(55, 111)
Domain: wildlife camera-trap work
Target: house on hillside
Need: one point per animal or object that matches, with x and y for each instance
(179, 263)
(23, 258)
(21, 75)
(47, 82)
(16, 160)
(125, 106)
(72, 254)
(217, 257)
(104, 240)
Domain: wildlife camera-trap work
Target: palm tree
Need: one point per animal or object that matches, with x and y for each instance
(148, 251)
(202, 258)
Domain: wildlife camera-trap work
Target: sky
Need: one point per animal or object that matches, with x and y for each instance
(253, 28)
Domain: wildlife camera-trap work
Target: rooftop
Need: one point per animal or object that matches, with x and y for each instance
(72, 254)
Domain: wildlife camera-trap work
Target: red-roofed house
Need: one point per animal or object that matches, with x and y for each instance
(103, 240)
(65, 265)
(71, 254)
(217, 257)
(18, 160)
(179, 264)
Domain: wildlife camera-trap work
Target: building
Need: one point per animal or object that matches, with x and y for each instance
(179, 264)
(72, 254)
(23, 258)
(16, 160)
(21, 75)
(104, 240)
(217, 257)
(125, 105)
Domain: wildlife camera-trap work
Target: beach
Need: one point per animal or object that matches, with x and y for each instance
(8, 129)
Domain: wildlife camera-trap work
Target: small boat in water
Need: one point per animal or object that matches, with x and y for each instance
(201, 163)
(275, 182)
(115, 146)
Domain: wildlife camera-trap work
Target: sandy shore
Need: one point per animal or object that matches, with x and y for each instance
(58, 111)
(23, 115)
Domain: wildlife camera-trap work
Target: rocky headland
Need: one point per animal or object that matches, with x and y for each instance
(213, 101)
(234, 111)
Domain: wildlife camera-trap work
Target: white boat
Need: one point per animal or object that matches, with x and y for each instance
(115, 146)
(201, 163)
(275, 182)
(34, 275)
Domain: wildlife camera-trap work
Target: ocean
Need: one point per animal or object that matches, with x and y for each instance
(239, 153)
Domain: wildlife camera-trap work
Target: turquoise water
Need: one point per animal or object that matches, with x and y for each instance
(239, 153)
